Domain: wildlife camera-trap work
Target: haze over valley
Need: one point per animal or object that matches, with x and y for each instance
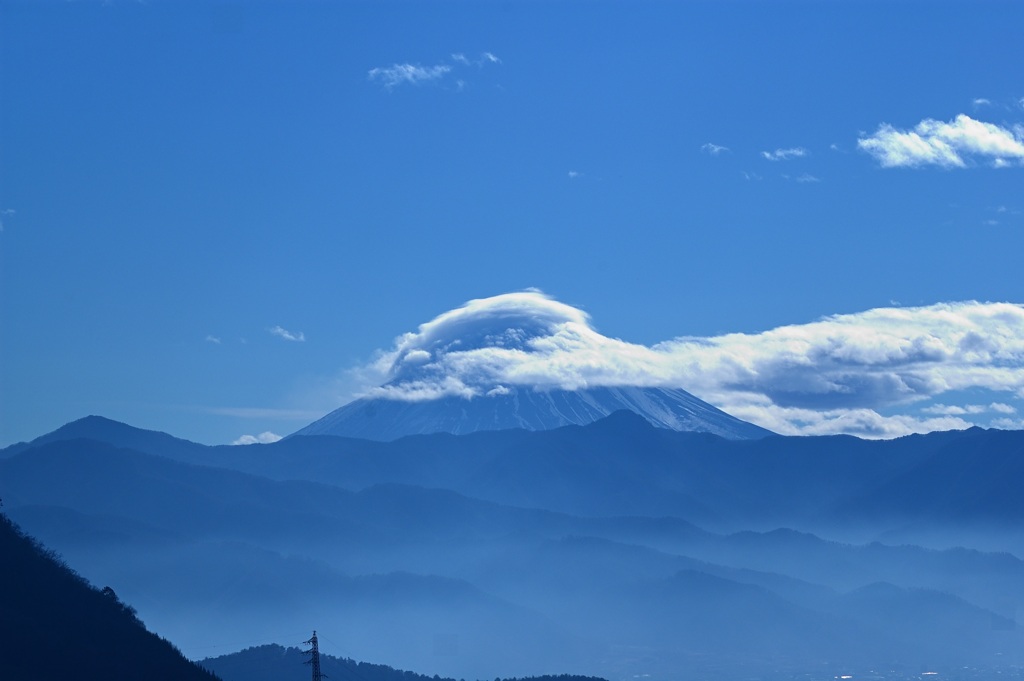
(614, 549)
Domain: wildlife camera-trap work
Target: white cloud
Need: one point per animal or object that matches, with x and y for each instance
(969, 409)
(861, 422)
(946, 409)
(838, 374)
(263, 438)
(413, 74)
(784, 154)
(213, 339)
(484, 58)
(573, 174)
(713, 149)
(981, 101)
(281, 332)
(949, 145)
(807, 178)
(416, 74)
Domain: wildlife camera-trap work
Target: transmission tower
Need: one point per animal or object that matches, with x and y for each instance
(314, 658)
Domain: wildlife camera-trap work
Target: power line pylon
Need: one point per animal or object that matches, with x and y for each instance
(314, 658)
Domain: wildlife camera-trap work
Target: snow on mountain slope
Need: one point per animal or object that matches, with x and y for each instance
(388, 419)
(518, 360)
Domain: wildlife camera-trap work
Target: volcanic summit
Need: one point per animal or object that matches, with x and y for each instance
(518, 360)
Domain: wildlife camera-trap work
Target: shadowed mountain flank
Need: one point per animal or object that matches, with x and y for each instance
(56, 626)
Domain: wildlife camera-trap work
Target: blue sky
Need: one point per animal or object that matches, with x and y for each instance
(214, 216)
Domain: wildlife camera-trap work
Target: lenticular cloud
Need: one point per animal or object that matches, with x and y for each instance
(838, 374)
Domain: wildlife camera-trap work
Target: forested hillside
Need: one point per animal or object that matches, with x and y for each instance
(56, 626)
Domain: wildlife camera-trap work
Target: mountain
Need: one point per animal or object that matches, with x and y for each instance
(119, 434)
(382, 418)
(615, 549)
(622, 465)
(55, 626)
(519, 360)
(277, 663)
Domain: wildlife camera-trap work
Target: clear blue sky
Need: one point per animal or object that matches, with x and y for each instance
(180, 179)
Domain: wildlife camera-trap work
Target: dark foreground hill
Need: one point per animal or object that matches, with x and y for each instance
(277, 663)
(53, 625)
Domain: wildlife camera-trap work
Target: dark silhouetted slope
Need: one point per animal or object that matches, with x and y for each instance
(54, 626)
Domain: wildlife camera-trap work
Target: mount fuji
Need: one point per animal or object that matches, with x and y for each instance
(529, 409)
(518, 360)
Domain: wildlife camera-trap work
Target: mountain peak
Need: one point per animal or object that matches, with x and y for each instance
(528, 409)
(519, 360)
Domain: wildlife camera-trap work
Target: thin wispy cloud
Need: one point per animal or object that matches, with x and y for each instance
(806, 177)
(573, 174)
(411, 74)
(395, 75)
(5, 213)
(981, 101)
(713, 149)
(953, 144)
(213, 339)
(281, 332)
(484, 58)
(863, 373)
(784, 154)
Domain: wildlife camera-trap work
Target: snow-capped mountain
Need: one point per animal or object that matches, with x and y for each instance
(390, 419)
(519, 360)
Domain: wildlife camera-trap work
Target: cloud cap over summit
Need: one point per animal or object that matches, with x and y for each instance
(524, 338)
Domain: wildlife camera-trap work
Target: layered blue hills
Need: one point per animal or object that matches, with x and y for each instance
(615, 549)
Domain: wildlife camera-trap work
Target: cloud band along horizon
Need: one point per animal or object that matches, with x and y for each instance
(873, 374)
